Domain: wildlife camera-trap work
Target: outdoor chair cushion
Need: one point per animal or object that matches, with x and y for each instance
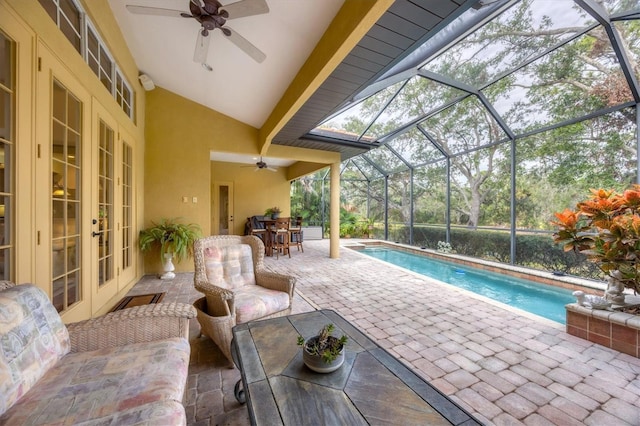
(254, 302)
(229, 267)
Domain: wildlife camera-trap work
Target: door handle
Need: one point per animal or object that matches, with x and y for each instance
(96, 234)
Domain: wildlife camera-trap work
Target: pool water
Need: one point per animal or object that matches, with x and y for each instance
(540, 299)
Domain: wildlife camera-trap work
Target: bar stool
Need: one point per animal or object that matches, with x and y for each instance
(295, 230)
(280, 236)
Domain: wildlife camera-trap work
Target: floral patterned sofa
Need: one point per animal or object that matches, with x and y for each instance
(126, 367)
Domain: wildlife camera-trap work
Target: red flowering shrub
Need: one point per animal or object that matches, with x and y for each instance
(605, 227)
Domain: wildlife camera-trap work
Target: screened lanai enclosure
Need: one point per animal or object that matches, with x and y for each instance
(511, 112)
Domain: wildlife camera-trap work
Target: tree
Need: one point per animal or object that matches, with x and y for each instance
(558, 81)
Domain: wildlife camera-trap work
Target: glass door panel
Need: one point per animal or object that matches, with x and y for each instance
(105, 204)
(222, 223)
(128, 249)
(7, 120)
(66, 203)
(223, 205)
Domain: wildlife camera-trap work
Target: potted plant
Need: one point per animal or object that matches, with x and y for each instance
(274, 212)
(606, 228)
(323, 353)
(174, 240)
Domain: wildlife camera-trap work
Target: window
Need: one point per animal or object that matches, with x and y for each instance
(98, 59)
(67, 17)
(79, 30)
(124, 94)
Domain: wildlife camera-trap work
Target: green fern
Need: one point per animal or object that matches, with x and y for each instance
(172, 237)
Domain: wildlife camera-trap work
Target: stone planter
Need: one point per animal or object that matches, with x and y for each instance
(317, 364)
(312, 232)
(615, 330)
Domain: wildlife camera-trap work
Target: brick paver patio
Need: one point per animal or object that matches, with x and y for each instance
(503, 366)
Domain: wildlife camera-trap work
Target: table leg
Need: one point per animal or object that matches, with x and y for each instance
(238, 390)
(268, 245)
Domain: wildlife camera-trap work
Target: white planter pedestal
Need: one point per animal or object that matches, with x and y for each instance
(168, 268)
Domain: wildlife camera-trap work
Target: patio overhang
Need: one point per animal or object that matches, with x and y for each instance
(380, 36)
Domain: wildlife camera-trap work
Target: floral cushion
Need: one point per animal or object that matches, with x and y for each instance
(32, 340)
(230, 267)
(136, 383)
(253, 302)
(157, 413)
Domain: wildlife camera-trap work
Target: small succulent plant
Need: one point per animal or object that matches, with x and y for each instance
(324, 345)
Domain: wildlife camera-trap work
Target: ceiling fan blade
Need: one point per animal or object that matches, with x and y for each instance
(246, 46)
(272, 169)
(196, 9)
(143, 10)
(246, 8)
(202, 47)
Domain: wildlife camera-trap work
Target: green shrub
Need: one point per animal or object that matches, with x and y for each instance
(536, 251)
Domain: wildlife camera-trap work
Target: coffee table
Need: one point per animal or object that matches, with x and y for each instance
(371, 387)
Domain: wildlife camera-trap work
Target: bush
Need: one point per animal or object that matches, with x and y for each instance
(536, 251)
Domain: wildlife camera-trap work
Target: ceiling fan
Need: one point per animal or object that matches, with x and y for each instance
(262, 165)
(211, 14)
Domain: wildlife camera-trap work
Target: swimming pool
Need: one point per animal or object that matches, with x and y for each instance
(540, 299)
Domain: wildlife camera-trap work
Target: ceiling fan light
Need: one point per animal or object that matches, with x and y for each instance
(202, 47)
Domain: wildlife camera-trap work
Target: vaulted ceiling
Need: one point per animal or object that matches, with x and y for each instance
(247, 90)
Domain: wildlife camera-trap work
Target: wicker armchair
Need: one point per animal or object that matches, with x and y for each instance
(229, 270)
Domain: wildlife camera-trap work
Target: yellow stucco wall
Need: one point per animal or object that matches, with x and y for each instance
(254, 191)
(180, 135)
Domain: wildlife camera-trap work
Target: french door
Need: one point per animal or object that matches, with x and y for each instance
(83, 195)
(103, 198)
